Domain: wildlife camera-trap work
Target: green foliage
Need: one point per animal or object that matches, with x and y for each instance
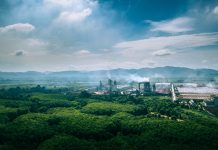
(81, 125)
(6, 147)
(55, 121)
(42, 102)
(107, 108)
(140, 110)
(84, 94)
(163, 106)
(15, 103)
(49, 97)
(28, 130)
(65, 142)
(8, 114)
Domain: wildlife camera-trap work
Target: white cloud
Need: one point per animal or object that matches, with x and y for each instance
(11, 44)
(169, 42)
(19, 27)
(69, 3)
(73, 16)
(83, 52)
(163, 52)
(137, 78)
(73, 27)
(36, 42)
(178, 25)
(215, 11)
(60, 2)
(71, 11)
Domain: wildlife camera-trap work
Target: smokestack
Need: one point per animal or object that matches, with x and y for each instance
(115, 84)
(139, 86)
(110, 84)
(100, 86)
(154, 88)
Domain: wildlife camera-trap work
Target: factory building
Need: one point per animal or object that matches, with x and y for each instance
(144, 87)
(182, 91)
(110, 87)
(197, 93)
(100, 86)
(195, 96)
(162, 88)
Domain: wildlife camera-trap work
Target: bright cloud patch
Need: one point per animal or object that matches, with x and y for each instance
(19, 27)
(70, 3)
(36, 42)
(215, 11)
(178, 25)
(71, 11)
(61, 2)
(83, 52)
(73, 16)
(164, 52)
(170, 42)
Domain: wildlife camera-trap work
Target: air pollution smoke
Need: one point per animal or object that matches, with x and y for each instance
(137, 78)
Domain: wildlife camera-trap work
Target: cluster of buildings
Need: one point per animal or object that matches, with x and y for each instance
(111, 87)
(178, 91)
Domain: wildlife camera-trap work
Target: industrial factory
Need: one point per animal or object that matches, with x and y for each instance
(111, 87)
(178, 91)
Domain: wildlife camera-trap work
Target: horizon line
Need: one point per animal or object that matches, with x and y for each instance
(107, 69)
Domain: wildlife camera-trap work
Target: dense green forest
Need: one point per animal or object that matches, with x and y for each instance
(43, 119)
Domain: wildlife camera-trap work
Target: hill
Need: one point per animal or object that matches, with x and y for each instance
(158, 72)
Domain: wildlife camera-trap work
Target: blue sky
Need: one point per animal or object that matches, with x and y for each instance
(54, 35)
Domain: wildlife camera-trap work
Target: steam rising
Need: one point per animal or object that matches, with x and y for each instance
(137, 78)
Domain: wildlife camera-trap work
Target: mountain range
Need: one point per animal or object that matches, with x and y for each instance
(158, 72)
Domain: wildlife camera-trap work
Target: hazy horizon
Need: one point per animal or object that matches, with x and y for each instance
(109, 69)
(85, 35)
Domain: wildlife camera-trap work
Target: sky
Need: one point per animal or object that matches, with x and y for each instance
(57, 35)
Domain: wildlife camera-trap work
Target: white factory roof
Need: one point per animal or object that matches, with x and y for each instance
(166, 84)
(199, 90)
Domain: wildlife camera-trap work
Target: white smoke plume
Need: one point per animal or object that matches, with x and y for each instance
(137, 78)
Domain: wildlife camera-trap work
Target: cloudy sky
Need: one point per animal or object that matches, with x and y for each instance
(55, 35)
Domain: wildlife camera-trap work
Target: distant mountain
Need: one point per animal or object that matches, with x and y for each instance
(158, 72)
